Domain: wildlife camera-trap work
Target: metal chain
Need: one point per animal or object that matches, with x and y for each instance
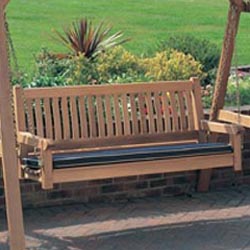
(11, 48)
(238, 99)
(12, 54)
(6, 26)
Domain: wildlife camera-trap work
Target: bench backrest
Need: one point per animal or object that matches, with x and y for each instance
(105, 111)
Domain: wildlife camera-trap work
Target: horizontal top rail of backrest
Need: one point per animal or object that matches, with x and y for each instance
(107, 89)
(103, 111)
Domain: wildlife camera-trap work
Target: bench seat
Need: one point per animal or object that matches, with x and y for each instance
(151, 153)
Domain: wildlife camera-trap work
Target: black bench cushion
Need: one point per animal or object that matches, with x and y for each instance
(104, 157)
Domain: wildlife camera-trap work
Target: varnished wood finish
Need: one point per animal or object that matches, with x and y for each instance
(235, 118)
(9, 154)
(118, 116)
(141, 168)
(72, 113)
(47, 172)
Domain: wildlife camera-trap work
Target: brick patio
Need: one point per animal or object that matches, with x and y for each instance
(216, 220)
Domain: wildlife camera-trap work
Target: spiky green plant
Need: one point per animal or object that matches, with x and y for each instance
(82, 37)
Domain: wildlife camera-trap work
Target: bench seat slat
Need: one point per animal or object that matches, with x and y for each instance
(152, 153)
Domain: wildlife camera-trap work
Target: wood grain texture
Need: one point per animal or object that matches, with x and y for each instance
(87, 118)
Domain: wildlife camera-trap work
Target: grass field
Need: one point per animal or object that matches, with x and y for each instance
(146, 21)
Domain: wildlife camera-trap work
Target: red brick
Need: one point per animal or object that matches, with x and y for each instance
(158, 183)
(150, 176)
(111, 188)
(100, 182)
(125, 179)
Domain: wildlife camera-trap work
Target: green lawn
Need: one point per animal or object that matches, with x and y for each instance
(146, 21)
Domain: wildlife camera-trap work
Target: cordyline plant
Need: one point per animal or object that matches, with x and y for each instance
(82, 37)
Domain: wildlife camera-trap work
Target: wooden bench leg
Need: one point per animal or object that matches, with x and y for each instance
(204, 180)
(47, 170)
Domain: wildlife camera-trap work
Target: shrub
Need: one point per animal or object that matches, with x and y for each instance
(50, 71)
(172, 65)
(70, 70)
(81, 71)
(202, 50)
(19, 78)
(46, 81)
(207, 95)
(119, 65)
(233, 91)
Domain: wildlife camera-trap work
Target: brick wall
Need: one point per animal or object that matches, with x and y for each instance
(120, 189)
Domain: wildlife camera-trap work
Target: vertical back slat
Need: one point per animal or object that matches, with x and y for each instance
(166, 110)
(150, 113)
(65, 118)
(158, 109)
(74, 118)
(19, 108)
(30, 115)
(57, 120)
(118, 123)
(92, 121)
(109, 119)
(126, 119)
(190, 111)
(83, 117)
(183, 123)
(134, 114)
(142, 111)
(48, 120)
(39, 117)
(100, 116)
(175, 126)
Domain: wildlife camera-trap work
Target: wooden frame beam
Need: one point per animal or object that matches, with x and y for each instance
(236, 7)
(3, 4)
(232, 117)
(9, 155)
(242, 5)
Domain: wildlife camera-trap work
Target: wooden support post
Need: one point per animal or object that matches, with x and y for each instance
(235, 9)
(47, 168)
(9, 155)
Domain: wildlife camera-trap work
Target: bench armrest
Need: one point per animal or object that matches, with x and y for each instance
(235, 118)
(33, 140)
(223, 128)
(235, 133)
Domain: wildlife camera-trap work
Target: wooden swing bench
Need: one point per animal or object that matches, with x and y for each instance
(106, 131)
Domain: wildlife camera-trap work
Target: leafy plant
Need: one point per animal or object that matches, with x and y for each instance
(243, 90)
(119, 65)
(82, 37)
(115, 66)
(172, 65)
(202, 50)
(19, 77)
(49, 64)
(82, 70)
(70, 70)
